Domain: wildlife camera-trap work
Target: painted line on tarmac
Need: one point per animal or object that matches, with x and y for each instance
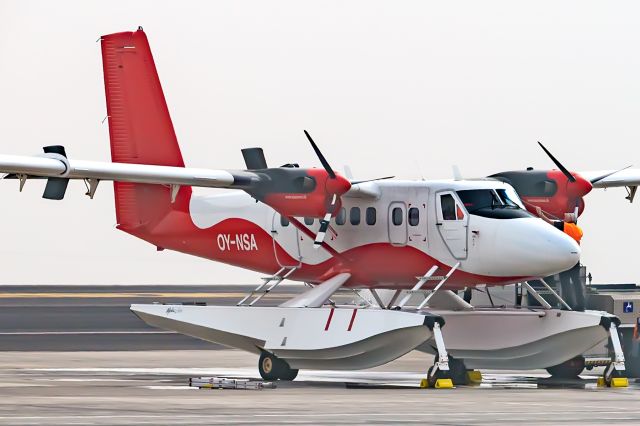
(74, 295)
(44, 333)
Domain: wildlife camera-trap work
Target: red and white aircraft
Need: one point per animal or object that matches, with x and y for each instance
(304, 224)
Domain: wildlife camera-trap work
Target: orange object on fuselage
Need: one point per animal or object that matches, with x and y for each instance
(573, 230)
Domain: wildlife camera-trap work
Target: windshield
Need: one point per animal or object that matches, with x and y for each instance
(500, 204)
(510, 197)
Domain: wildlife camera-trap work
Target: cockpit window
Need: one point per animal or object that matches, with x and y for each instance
(448, 205)
(476, 199)
(510, 197)
(493, 204)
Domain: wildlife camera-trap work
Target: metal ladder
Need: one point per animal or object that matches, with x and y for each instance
(421, 281)
(273, 280)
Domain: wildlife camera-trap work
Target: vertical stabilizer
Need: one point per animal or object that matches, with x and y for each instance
(140, 126)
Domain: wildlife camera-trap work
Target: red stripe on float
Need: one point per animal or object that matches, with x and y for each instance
(326, 327)
(353, 318)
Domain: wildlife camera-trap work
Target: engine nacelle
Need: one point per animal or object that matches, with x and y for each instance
(302, 192)
(548, 189)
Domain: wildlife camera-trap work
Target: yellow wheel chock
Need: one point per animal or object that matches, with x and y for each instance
(439, 384)
(474, 376)
(444, 384)
(616, 382)
(619, 382)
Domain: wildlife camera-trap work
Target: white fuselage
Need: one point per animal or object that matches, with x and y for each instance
(403, 225)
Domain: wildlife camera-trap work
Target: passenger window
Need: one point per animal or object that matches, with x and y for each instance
(414, 216)
(354, 216)
(284, 221)
(341, 218)
(308, 221)
(448, 205)
(396, 216)
(371, 215)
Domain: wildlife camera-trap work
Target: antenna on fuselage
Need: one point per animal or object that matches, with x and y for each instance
(456, 172)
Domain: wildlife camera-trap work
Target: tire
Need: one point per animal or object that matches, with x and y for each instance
(570, 369)
(273, 368)
(267, 366)
(289, 375)
(458, 371)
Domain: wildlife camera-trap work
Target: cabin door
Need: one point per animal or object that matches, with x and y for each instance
(452, 223)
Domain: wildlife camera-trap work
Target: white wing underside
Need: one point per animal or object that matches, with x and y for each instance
(60, 167)
(121, 172)
(627, 177)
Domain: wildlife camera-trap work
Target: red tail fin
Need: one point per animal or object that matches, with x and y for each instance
(140, 127)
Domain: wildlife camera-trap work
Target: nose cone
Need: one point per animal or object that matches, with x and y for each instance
(339, 185)
(536, 249)
(580, 187)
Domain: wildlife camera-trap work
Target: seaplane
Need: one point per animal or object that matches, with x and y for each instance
(315, 226)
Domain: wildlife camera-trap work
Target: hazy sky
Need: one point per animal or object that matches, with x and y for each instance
(397, 87)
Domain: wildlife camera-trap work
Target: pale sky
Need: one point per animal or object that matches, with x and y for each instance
(406, 88)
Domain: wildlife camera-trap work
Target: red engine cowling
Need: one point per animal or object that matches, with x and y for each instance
(315, 203)
(565, 199)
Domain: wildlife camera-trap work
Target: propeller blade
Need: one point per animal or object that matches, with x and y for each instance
(254, 158)
(323, 160)
(356, 182)
(599, 178)
(324, 224)
(322, 232)
(558, 164)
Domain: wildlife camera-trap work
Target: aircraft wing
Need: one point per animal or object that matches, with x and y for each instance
(55, 166)
(626, 177)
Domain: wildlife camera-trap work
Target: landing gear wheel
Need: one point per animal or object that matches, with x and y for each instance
(458, 371)
(266, 366)
(273, 368)
(289, 374)
(570, 369)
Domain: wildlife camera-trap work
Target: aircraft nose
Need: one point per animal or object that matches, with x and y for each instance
(540, 250)
(561, 252)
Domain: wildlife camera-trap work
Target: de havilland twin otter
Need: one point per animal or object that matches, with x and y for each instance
(315, 226)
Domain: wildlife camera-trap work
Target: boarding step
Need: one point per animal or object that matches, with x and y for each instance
(269, 283)
(417, 288)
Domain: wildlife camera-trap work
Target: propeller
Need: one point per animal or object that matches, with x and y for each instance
(579, 186)
(323, 160)
(562, 168)
(335, 185)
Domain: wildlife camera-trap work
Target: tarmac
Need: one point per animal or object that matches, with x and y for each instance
(77, 355)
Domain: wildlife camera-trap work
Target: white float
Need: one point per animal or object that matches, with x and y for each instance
(310, 338)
